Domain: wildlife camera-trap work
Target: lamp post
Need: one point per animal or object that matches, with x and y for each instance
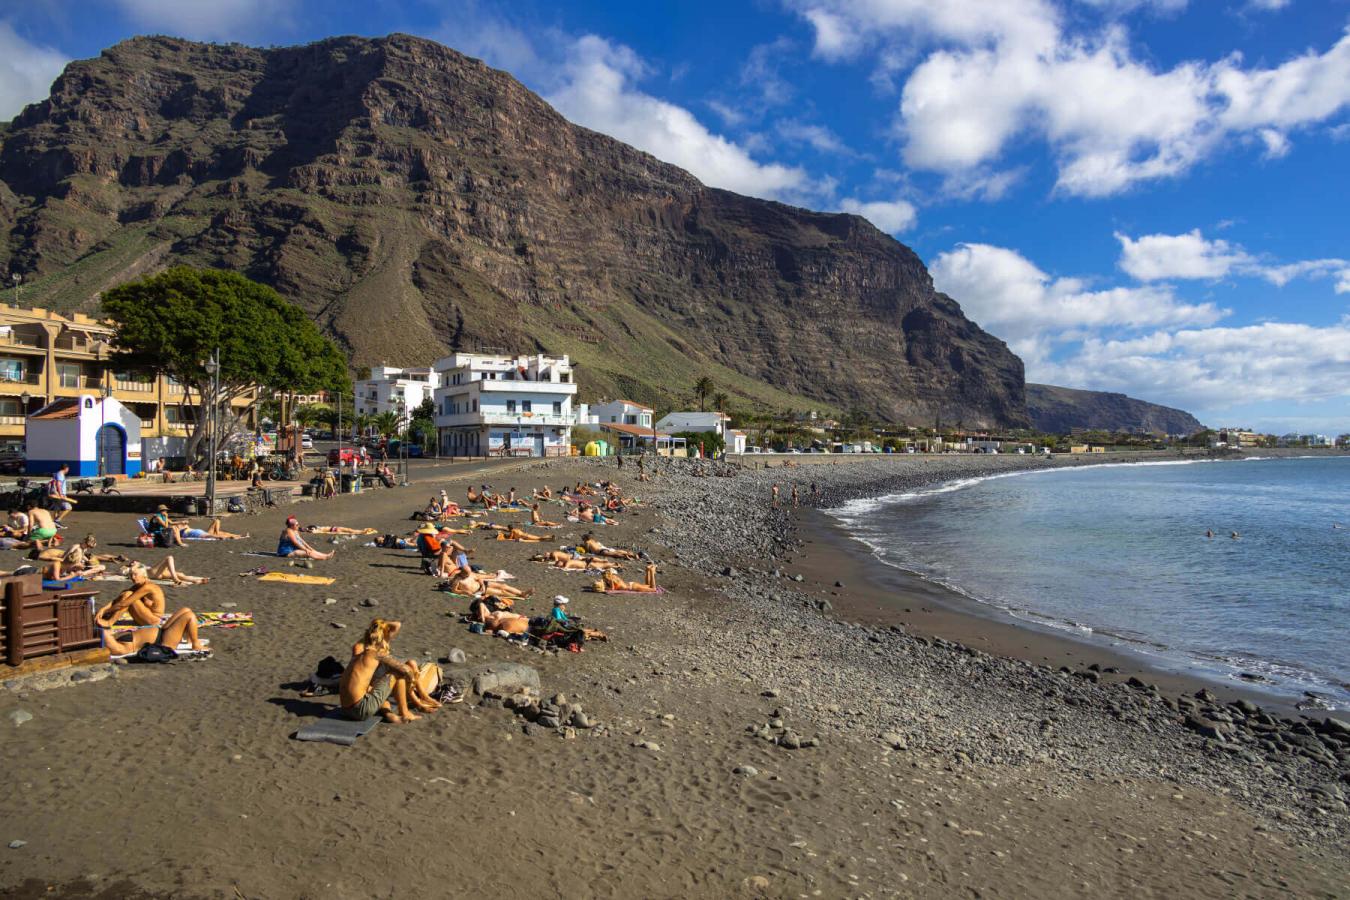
(105, 391)
(212, 370)
(17, 279)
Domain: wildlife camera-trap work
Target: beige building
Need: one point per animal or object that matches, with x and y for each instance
(45, 356)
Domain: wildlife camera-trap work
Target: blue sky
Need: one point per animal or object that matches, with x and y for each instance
(1139, 195)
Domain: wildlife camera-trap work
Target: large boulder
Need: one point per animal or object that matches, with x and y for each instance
(498, 677)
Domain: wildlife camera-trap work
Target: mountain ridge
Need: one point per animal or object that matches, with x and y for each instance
(1060, 410)
(412, 199)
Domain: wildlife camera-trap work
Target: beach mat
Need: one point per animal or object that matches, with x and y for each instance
(291, 578)
(334, 728)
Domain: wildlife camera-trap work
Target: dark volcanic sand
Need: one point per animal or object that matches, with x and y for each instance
(184, 781)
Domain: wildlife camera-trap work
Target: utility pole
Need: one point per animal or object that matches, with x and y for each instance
(212, 416)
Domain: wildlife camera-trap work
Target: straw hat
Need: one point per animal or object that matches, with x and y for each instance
(426, 528)
(161, 508)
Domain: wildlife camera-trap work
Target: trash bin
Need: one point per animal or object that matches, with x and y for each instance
(351, 484)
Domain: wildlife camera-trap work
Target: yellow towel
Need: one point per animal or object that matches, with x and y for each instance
(291, 578)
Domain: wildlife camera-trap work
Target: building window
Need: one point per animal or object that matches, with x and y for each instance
(527, 406)
(69, 374)
(10, 407)
(11, 370)
(475, 406)
(557, 407)
(510, 407)
(630, 420)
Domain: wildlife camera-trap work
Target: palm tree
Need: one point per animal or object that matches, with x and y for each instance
(387, 423)
(720, 402)
(703, 387)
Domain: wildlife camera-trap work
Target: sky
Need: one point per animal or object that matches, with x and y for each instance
(1146, 196)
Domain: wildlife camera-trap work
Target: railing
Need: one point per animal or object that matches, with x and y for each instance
(147, 424)
(12, 420)
(23, 378)
(135, 387)
(20, 339)
(524, 420)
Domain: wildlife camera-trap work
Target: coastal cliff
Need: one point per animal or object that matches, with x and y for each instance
(413, 200)
(1060, 410)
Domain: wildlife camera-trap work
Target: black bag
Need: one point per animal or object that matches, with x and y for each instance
(156, 653)
(236, 505)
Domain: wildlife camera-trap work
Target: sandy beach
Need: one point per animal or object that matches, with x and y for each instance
(747, 737)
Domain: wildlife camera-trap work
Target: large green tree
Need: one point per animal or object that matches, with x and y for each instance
(170, 323)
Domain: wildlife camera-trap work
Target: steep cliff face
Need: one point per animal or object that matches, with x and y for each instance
(1059, 410)
(412, 199)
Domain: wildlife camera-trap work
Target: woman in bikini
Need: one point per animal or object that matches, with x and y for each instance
(612, 582)
(561, 559)
(291, 544)
(165, 570)
(144, 602)
(212, 533)
(593, 546)
(500, 620)
(515, 533)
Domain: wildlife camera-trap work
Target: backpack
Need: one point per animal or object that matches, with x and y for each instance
(155, 653)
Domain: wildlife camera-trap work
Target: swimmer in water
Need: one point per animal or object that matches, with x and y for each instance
(1235, 535)
(1209, 533)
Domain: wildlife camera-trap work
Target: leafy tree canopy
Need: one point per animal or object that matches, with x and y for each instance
(171, 322)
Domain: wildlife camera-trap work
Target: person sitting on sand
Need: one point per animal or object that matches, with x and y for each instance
(516, 533)
(593, 546)
(561, 559)
(124, 639)
(17, 526)
(472, 496)
(78, 561)
(374, 675)
(292, 545)
(167, 532)
(537, 521)
(337, 529)
(212, 532)
(144, 600)
(543, 493)
(432, 511)
(42, 527)
(498, 620)
(611, 582)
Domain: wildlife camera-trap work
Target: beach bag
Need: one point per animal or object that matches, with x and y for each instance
(236, 505)
(156, 653)
(145, 540)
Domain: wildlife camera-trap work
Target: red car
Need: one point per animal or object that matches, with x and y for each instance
(343, 456)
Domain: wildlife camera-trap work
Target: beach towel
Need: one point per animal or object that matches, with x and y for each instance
(271, 553)
(659, 590)
(184, 651)
(61, 585)
(291, 578)
(225, 619)
(335, 728)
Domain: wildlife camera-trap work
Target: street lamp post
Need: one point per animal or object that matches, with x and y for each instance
(212, 370)
(17, 279)
(105, 391)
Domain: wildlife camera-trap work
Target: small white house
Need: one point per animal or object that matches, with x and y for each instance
(390, 389)
(622, 412)
(92, 435)
(715, 422)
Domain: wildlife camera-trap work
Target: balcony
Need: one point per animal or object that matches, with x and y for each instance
(526, 387)
(12, 420)
(21, 339)
(133, 387)
(524, 420)
(23, 378)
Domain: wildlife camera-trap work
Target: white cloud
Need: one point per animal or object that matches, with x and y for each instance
(598, 91)
(1123, 7)
(1156, 257)
(27, 71)
(891, 216)
(1268, 5)
(208, 19)
(1153, 257)
(998, 73)
(1010, 296)
(816, 136)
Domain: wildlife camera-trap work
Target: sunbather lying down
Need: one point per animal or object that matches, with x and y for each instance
(561, 559)
(473, 585)
(515, 533)
(212, 532)
(593, 546)
(374, 675)
(498, 620)
(612, 582)
(338, 529)
(165, 570)
(144, 602)
(536, 520)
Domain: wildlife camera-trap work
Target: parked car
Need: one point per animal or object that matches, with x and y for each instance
(306, 442)
(344, 456)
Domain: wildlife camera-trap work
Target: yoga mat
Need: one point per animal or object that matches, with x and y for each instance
(334, 728)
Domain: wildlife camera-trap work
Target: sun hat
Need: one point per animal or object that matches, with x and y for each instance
(426, 528)
(560, 600)
(161, 508)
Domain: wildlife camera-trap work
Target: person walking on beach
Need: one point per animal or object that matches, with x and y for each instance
(796, 498)
(815, 491)
(775, 495)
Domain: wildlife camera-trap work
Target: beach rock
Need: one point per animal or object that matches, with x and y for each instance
(893, 740)
(581, 720)
(822, 605)
(338, 624)
(330, 601)
(370, 602)
(503, 677)
(839, 584)
(19, 716)
(456, 657)
(648, 745)
(15, 845)
(747, 771)
(789, 741)
(548, 721)
(728, 571)
(1212, 730)
(228, 605)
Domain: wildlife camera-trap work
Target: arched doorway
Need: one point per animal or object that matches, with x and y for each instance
(112, 450)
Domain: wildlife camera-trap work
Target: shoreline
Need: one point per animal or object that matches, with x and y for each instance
(880, 593)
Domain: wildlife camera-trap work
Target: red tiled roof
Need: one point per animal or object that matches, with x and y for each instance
(638, 430)
(65, 408)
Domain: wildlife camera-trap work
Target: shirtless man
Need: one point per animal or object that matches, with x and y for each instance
(498, 620)
(473, 585)
(144, 600)
(612, 582)
(561, 559)
(78, 560)
(537, 521)
(124, 639)
(593, 546)
(42, 527)
(516, 533)
(543, 493)
(373, 675)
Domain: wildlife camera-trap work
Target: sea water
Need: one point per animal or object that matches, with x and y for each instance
(1119, 554)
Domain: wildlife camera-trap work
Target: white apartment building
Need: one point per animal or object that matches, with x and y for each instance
(390, 389)
(622, 412)
(715, 422)
(505, 405)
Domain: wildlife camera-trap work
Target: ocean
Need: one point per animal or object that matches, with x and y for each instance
(1118, 554)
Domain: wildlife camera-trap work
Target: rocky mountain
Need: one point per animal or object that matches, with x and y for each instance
(411, 200)
(1059, 410)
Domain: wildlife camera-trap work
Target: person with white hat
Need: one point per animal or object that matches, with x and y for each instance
(559, 612)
